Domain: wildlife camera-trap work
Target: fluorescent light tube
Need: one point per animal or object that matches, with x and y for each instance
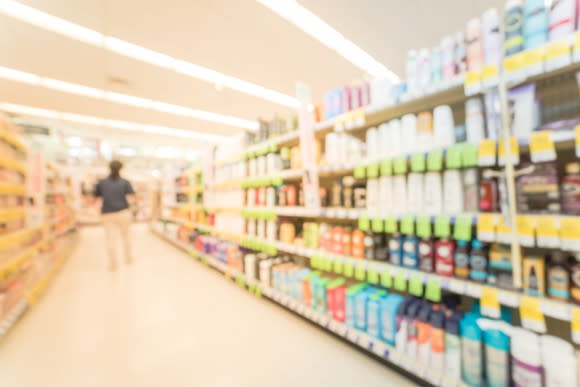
(73, 88)
(60, 26)
(317, 28)
(114, 124)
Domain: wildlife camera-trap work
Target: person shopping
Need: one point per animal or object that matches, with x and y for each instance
(116, 216)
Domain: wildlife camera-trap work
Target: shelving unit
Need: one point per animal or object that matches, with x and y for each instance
(36, 238)
(252, 189)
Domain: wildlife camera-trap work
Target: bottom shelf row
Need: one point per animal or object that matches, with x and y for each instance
(436, 342)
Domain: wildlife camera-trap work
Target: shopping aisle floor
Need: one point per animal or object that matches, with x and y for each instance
(167, 321)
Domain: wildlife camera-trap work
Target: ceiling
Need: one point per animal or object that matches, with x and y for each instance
(237, 37)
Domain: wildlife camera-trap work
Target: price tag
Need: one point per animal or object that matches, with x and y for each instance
(542, 146)
(577, 130)
(400, 281)
(359, 117)
(363, 223)
(359, 172)
(416, 285)
(435, 161)
(386, 279)
(490, 76)
(360, 273)
(486, 227)
(531, 314)
(454, 156)
(373, 170)
(373, 276)
(400, 165)
(525, 227)
(348, 270)
(423, 225)
(470, 155)
(576, 325)
(391, 225)
(490, 303)
(433, 289)
(338, 266)
(514, 67)
(418, 162)
(377, 225)
(456, 286)
(408, 225)
(570, 233)
(547, 232)
(472, 83)
(463, 228)
(386, 168)
(487, 153)
(514, 151)
(442, 226)
(504, 232)
(557, 55)
(534, 61)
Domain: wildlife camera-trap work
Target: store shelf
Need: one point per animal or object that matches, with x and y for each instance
(13, 165)
(369, 344)
(12, 189)
(7, 215)
(16, 237)
(12, 317)
(13, 265)
(13, 140)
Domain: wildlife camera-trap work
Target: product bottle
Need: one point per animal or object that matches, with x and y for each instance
(347, 242)
(447, 60)
(386, 194)
(474, 45)
(396, 249)
(474, 122)
(424, 334)
(400, 193)
(358, 244)
(497, 358)
(453, 347)
(412, 71)
(571, 189)
(558, 277)
(369, 246)
(433, 193)
(424, 68)
(424, 131)
(478, 261)
(470, 190)
(471, 351)
(535, 24)
(444, 252)
(562, 16)
(443, 126)
(389, 307)
(402, 324)
(412, 314)
(436, 66)
(491, 37)
(575, 279)
(415, 192)
(488, 196)
(426, 255)
(395, 138)
(559, 362)
(452, 192)
(408, 134)
(461, 259)
(513, 27)
(437, 322)
(533, 271)
(459, 53)
(526, 358)
(410, 258)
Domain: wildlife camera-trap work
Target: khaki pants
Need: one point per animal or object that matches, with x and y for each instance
(117, 223)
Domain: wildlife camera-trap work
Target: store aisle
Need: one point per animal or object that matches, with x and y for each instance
(168, 322)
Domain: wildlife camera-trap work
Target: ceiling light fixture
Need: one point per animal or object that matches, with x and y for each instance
(317, 28)
(113, 124)
(124, 99)
(60, 26)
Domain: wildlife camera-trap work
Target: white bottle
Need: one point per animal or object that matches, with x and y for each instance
(452, 192)
(562, 17)
(394, 140)
(443, 126)
(372, 138)
(412, 71)
(409, 133)
(559, 362)
(373, 196)
(331, 146)
(447, 60)
(384, 140)
(400, 194)
(424, 68)
(474, 123)
(526, 358)
(415, 192)
(492, 39)
(386, 195)
(433, 194)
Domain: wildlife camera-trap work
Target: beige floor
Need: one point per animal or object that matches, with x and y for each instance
(169, 322)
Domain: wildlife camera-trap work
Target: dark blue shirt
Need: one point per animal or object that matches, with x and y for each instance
(114, 193)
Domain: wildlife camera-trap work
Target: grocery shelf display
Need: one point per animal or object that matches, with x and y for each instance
(38, 226)
(435, 220)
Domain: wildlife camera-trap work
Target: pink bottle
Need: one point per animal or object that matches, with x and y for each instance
(474, 45)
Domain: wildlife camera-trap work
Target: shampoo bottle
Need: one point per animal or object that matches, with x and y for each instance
(433, 194)
(409, 133)
(474, 45)
(426, 255)
(562, 17)
(559, 362)
(424, 334)
(437, 322)
(474, 121)
(513, 27)
(415, 193)
(389, 308)
(447, 60)
(535, 24)
(460, 53)
(443, 126)
(436, 66)
(452, 192)
(461, 260)
(471, 351)
(558, 277)
(526, 358)
(497, 358)
(410, 258)
(453, 346)
(491, 37)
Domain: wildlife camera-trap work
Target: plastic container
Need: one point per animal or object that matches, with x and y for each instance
(433, 194)
(415, 192)
(443, 126)
(562, 19)
(389, 307)
(452, 192)
(536, 21)
(526, 358)
(408, 133)
(475, 126)
(453, 346)
(410, 253)
(497, 358)
(396, 249)
(461, 260)
(474, 46)
(559, 362)
(471, 351)
(423, 326)
(513, 27)
(492, 38)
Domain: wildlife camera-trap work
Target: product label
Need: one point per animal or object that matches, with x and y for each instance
(531, 314)
(489, 302)
(497, 367)
(526, 375)
(461, 265)
(542, 146)
(472, 357)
